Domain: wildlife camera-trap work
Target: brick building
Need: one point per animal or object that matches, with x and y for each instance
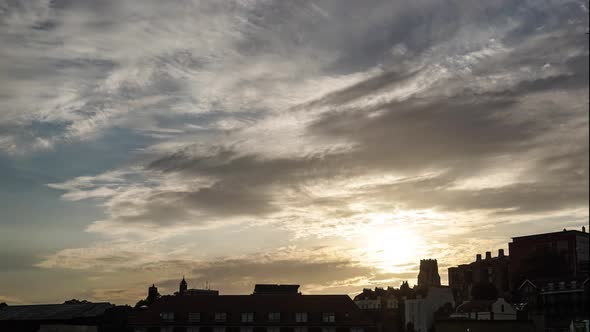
(556, 256)
(492, 270)
(271, 309)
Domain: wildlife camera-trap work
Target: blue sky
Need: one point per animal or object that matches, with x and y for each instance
(327, 143)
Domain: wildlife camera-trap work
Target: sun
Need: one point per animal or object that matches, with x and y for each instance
(390, 249)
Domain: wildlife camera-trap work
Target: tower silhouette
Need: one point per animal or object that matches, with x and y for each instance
(428, 275)
(183, 287)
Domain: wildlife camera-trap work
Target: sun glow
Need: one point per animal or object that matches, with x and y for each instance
(391, 249)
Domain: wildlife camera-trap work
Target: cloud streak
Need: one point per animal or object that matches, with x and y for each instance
(326, 121)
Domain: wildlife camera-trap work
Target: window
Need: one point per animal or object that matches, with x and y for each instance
(300, 329)
(274, 316)
(328, 329)
(392, 304)
(502, 308)
(273, 329)
(192, 329)
(167, 316)
(219, 329)
(246, 329)
(167, 329)
(194, 317)
(247, 317)
(220, 316)
(328, 317)
(357, 329)
(301, 317)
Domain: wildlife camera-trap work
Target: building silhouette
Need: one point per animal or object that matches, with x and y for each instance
(183, 287)
(550, 256)
(428, 275)
(497, 309)
(556, 303)
(273, 308)
(153, 294)
(420, 312)
(489, 271)
(183, 290)
(408, 309)
(385, 306)
(545, 278)
(71, 316)
(269, 289)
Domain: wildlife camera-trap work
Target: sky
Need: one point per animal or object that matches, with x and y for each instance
(331, 144)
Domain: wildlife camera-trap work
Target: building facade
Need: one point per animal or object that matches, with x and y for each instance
(486, 310)
(559, 303)
(557, 255)
(385, 307)
(491, 270)
(277, 311)
(420, 312)
(485, 326)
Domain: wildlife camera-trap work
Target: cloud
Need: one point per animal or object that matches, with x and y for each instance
(316, 269)
(324, 120)
(10, 300)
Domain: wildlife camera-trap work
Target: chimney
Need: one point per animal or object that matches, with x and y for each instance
(583, 229)
(478, 257)
(501, 253)
(488, 255)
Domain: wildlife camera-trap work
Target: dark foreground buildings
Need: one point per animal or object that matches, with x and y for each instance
(557, 256)
(409, 309)
(545, 277)
(271, 308)
(79, 317)
(484, 326)
(488, 270)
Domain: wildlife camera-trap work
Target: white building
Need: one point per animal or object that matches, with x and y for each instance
(420, 311)
(486, 310)
(580, 326)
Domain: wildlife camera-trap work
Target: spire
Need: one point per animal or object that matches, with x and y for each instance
(183, 286)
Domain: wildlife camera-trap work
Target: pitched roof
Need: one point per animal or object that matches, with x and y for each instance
(475, 306)
(527, 281)
(53, 311)
(236, 304)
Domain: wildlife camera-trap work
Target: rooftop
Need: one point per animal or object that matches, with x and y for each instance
(234, 305)
(563, 232)
(275, 289)
(53, 311)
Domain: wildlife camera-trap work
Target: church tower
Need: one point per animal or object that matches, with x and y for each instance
(183, 287)
(428, 275)
(152, 294)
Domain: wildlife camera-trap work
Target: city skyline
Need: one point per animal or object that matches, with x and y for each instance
(332, 144)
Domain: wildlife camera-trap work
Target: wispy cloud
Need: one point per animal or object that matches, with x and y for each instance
(325, 120)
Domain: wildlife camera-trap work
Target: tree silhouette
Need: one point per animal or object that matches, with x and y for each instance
(75, 301)
(141, 303)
